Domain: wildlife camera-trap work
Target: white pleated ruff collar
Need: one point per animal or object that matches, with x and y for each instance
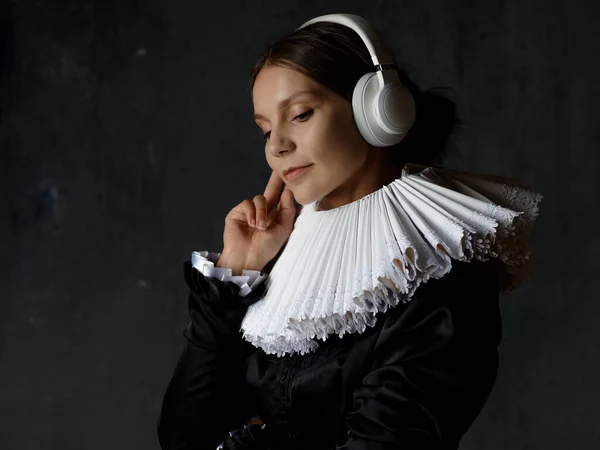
(343, 266)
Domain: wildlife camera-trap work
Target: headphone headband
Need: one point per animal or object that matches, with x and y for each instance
(384, 109)
(366, 32)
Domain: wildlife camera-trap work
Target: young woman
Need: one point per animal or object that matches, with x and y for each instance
(368, 317)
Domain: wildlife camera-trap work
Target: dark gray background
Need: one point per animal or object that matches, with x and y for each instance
(126, 137)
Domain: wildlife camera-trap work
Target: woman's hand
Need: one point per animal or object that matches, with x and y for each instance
(247, 244)
(257, 437)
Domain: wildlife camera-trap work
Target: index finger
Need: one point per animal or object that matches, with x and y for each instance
(273, 189)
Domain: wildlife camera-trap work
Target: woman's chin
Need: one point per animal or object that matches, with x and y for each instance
(305, 198)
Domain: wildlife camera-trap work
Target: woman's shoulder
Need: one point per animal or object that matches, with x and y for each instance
(464, 280)
(463, 302)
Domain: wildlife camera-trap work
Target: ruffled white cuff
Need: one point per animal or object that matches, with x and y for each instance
(205, 262)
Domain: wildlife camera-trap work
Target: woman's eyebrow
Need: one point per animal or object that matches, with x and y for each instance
(286, 101)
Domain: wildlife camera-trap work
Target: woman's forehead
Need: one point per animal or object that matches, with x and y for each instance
(276, 78)
(277, 86)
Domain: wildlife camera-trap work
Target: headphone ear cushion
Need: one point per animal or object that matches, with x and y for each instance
(397, 108)
(371, 108)
(361, 105)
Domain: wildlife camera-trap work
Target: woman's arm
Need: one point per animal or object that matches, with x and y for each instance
(206, 396)
(434, 366)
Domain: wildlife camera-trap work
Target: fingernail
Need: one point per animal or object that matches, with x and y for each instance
(261, 224)
(252, 222)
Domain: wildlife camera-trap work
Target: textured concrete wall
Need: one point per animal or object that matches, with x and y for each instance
(126, 136)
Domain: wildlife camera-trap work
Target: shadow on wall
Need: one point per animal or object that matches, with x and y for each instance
(6, 68)
(6, 53)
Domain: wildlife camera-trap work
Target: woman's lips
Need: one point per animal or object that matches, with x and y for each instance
(296, 173)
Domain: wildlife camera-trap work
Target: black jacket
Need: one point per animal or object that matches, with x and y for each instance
(416, 380)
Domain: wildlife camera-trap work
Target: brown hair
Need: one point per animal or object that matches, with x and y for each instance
(335, 56)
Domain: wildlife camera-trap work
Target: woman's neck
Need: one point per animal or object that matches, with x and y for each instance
(379, 170)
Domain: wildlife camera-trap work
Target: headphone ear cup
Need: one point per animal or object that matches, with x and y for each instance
(382, 116)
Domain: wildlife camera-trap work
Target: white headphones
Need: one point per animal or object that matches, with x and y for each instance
(384, 109)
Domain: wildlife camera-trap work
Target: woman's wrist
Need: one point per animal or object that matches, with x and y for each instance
(228, 261)
(253, 265)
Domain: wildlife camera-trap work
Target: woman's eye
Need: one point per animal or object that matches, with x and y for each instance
(304, 115)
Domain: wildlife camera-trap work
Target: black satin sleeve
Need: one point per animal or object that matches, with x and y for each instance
(206, 396)
(434, 364)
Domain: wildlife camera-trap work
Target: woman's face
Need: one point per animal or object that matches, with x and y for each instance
(307, 124)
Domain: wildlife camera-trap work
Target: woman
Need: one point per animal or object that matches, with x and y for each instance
(375, 324)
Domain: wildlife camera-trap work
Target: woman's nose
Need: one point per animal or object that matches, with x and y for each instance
(279, 142)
